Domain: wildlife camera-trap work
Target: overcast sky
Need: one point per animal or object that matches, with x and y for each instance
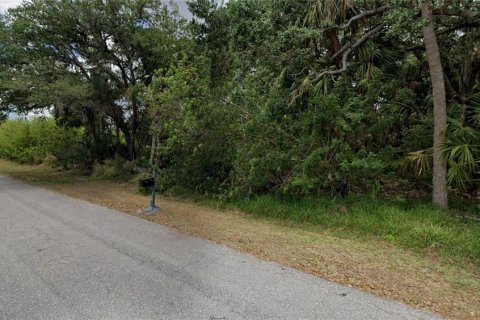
(5, 4)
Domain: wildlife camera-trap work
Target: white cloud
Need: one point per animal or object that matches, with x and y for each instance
(6, 4)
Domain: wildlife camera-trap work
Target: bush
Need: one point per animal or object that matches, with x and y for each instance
(114, 168)
(198, 135)
(311, 151)
(42, 141)
(50, 160)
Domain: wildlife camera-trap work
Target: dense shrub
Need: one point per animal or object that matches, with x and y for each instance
(197, 131)
(42, 141)
(314, 149)
(114, 168)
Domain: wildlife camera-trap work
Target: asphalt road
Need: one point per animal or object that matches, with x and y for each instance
(62, 258)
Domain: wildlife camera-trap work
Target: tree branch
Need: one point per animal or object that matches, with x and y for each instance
(347, 49)
(362, 15)
(79, 65)
(466, 24)
(341, 51)
(454, 13)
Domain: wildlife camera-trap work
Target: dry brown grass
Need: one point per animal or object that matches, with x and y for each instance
(421, 281)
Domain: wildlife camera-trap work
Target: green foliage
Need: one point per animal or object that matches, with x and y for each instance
(196, 131)
(87, 59)
(250, 97)
(336, 135)
(462, 153)
(42, 141)
(312, 150)
(117, 168)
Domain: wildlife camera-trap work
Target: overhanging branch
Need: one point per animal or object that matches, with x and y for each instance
(362, 15)
(346, 50)
(454, 13)
(466, 24)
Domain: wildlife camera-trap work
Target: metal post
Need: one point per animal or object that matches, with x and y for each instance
(153, 208)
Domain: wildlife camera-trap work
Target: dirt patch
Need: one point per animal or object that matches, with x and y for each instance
(374, 266)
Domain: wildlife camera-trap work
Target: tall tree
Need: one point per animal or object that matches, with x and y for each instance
(358, 23)
(114, 46)
(439, 181)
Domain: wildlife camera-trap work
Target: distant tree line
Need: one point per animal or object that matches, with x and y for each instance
(279, 96)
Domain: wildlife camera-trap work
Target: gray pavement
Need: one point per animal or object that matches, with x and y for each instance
(62, 258)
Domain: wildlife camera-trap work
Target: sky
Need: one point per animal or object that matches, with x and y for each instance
(5, 4)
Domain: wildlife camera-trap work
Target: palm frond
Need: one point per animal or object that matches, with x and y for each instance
(456, 175)
(457, 131)
(333, 12)
(461, 151)
(420, 162)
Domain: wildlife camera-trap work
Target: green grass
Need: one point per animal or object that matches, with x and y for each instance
(411, 224)
(39, 174)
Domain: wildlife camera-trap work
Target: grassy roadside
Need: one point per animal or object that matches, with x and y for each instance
(316, 236)
(412, 224)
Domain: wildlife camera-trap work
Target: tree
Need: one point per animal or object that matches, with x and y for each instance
(350, 16)
(113, 46)
(439, 182)
(287, 96)
(196, 131)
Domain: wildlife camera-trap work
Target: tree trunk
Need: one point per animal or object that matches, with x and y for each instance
(130, 146)
(117, 140)
(117, 116)
(91, 127)
(154, 146)
(440, 197)
(132, 151)
(335, 46)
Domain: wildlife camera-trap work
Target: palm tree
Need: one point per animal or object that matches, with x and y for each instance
(337, 13)
(439, 182)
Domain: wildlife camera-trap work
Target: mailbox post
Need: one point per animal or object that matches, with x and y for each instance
(152, 185)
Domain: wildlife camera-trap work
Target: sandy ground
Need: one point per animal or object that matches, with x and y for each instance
(423, 282)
